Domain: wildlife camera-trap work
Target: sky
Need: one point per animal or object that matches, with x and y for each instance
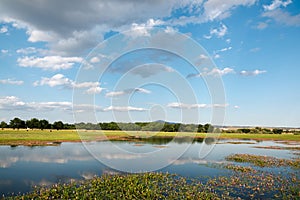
(233, 62)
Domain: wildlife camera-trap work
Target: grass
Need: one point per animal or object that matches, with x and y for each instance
(9, 136)
(50, 137)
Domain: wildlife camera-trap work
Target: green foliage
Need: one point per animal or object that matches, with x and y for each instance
(58, 125)
(264, 161)
(133, 186)
(3, 125)
(277, 131)
(17, 123)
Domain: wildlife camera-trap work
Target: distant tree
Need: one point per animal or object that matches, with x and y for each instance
(17, 123)
(244, 130)
(44, 124)
(33, 123)
(277, 131)
(3, 125)
(58, 125)
(200, 128)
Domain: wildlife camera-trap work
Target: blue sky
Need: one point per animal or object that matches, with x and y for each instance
(247, 72)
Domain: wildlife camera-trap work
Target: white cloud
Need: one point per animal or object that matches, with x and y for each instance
(178, 105)
(74, 26)
(216, 56)
(123, 108)
(256, 49)
(94, 60)
(61, 80)
(32, 50)
(11, 82)
(224, 49)
(213, 72)
(252, 73)
(94, 90)
(236, 107)
(283, 17)
(49, 62)
(221, 72)
(147, 70)
(276, 4)
(226, 70)
(139, 30)
(13, 103)
(4, 51)
(3, 29)
(261, 25)
(220, 9)
(218, 32)
(127, 91)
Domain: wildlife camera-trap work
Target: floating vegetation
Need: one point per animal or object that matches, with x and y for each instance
(264, 161)
(239, 168)
(262, 185)
(246, 185)
(278, 147)
(134, 186)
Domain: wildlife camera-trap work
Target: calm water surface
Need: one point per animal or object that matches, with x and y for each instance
(23, 167)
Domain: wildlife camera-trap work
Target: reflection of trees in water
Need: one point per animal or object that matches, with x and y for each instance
(209, 141)
(166, 140)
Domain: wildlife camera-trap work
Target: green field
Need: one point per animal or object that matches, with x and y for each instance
(52, 137)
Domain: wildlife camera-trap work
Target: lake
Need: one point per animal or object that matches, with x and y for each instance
(23, 167)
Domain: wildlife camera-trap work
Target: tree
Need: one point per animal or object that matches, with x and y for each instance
(44, 124)
(33, 123)
(277, 131)
(200, 128)
(17, 123)
(58, 125)
(3, 125)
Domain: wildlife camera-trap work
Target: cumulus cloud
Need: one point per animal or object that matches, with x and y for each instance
(4, 51)
(71, 27)
(147, 70)
(11, 82)
(138, 30)
(31, 50)
(123, 108)
(49, 62)
(218, 32)
(219, 9)
(94, 60)
(213, 72)
(283, 17)
(61, 80)
(127, 91)
(276, 4)
(193, 106)
(252, 73)
(3, 29)
(261, 25)
(13, 103)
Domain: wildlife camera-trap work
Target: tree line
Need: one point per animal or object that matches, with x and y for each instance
(35, 123)
(42, 124)
(163, 126)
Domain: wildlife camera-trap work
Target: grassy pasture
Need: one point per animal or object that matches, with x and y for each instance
(51, 137)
